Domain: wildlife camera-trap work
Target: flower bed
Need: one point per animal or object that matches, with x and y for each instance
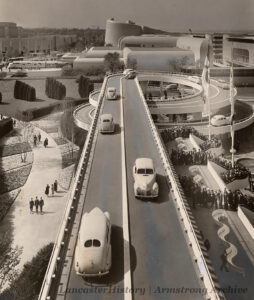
(14, 161)
(7, 150)
(65, 177)
(14, 179)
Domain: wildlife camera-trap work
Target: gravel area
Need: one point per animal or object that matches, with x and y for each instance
(60, 141)
(65, 177)
(7, 150)
(65, 148)
(67, 158)
(14, 161)
(14, 179)
(6, 201)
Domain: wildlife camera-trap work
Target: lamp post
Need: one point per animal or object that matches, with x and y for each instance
(232, 116)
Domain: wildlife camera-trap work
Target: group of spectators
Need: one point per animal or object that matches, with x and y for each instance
(193, 157)
(174, 132)
(206, 197)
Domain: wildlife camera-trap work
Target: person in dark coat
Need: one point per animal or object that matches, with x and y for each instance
(36, 202)
(47, 190)
(35, 140)
(55, 186)
(41, 203)
(46, 142)
(224, 261)
(31, 204)
(52, 189)
(39, 137)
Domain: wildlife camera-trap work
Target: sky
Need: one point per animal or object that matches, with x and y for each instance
(170, 15)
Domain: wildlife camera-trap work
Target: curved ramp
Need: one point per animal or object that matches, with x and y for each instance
(219, 215)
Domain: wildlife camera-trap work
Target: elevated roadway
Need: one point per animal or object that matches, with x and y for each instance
(152, 257)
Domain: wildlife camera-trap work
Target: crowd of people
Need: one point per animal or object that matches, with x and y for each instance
(193, 157)
(37, 140)
(206, 197)
(174, 132)
(53, 188)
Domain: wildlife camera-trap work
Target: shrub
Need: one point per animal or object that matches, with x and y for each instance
(24, 91)
(83, 86)
(55, 89)
(1, 97)
(6, 126)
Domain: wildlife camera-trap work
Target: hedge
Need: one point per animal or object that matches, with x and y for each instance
(1, 97)
(6, 125)
(55, 89)
(84, 86)
(24, 91)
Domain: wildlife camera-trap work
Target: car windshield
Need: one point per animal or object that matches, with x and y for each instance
(92, 243)
(105, 121)
(145, 171)
(88, 243)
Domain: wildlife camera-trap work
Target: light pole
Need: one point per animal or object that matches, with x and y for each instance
(232, 150)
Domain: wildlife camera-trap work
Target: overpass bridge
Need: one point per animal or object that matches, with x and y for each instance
(155, 251)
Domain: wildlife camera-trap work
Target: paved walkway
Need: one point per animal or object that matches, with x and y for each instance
(33, 231)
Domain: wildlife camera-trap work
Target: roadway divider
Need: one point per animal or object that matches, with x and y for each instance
(92, 96)
(50, 283)
(213, 290)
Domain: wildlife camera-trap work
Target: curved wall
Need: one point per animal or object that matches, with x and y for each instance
(116, 30)
(148, 41)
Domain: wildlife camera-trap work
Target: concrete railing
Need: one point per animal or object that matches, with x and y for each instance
(193, 142)
(216, 176)
(59, 249)
(92, 96)
(245, 221)
(179, 198)
(78, 122)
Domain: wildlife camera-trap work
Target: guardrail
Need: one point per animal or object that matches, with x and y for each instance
(59, 249)
(79, 123)
(91, 98)
(212, 292)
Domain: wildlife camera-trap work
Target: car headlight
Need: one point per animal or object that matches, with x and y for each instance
(155, 188)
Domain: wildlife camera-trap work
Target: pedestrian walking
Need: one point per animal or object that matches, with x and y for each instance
(41, 204)
(36, 202)
(47, 190)
(224, 261)
(39, 137)
(46, 142)
(55, 186)
(31, 204)
(52, 190)
(35, 140)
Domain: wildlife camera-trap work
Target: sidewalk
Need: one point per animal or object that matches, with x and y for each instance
(33, 231)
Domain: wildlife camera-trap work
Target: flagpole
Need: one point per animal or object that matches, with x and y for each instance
(232, 150)
(209, 105)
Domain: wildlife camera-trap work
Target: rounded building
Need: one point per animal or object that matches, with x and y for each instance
(115, 30)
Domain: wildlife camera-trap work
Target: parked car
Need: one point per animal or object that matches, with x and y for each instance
(107, 123)
(111, 93)
(144, 175)
(19, 74)
(129, 73)
(93, 249)
(219, 120)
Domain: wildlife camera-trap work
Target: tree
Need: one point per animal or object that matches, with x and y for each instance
(112, 62)
(27, 132)
(132, 63)
(27, 284)
(9, 259)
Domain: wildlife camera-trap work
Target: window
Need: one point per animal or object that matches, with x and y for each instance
(106, 121)
(141, 171)
(241, 55)
(88, 243)
(96, 243)
(149, 171)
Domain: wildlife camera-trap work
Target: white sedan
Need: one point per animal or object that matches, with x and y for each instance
(129, 73)
(219, 120)
(144, 175)
(107, 123)
(111, 93)
(93, 249)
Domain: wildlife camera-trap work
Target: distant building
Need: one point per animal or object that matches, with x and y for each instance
(12, 43)
(239, 49)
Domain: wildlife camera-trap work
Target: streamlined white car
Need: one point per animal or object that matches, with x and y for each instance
(111, 93)
(93, 249)
(129, 73)
(107, 123)
(219, 120)
(145, 185)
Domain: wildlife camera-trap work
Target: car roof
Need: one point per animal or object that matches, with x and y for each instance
(144, 163)
(218, 116)
(111, 88)
(93, 225)
(106, 117)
